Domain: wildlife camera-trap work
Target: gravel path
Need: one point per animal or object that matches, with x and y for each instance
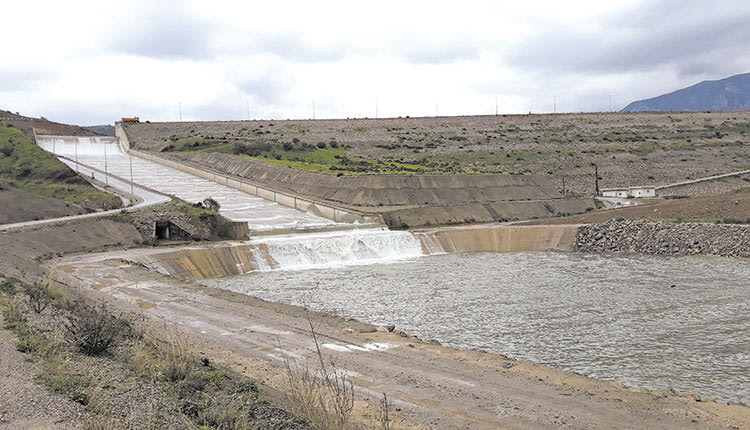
(24, 404)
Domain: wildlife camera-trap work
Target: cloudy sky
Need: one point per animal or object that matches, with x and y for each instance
(92, 62)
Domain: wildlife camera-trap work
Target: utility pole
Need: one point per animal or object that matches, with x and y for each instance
(554, 104)
(132, 193)
(106, 176)
(610, 102)
(180, 111)
(76, 148)
(313, 109)
(248, 110)
(376, 108)
(596, 180)
(495, 105)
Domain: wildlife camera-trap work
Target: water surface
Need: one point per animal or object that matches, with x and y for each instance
(645, 321)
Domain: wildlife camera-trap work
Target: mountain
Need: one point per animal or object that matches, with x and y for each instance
(107, 130)
(732, 93)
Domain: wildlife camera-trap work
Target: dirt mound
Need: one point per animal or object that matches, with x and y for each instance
(21, 251)
(21, 206)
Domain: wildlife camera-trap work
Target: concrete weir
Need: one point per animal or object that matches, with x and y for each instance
(353, 247)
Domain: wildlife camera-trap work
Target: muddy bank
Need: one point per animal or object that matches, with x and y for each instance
(665, 238)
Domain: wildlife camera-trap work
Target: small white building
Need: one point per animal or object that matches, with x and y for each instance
(615, 192)
(642, 191)
(634, 192)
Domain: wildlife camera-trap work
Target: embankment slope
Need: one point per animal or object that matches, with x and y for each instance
(406, 200)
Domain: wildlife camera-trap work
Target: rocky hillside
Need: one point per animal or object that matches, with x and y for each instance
(732, 93)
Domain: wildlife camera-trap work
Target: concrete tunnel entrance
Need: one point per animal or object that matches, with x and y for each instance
(167, 230)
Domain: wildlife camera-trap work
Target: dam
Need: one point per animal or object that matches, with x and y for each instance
(647, 321)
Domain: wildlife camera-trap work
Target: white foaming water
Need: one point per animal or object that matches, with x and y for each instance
(337, 249)
(259, 213)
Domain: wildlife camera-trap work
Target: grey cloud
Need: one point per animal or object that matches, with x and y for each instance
(266, 90)
(166, 31)
(291, 47)
(26, 79)
(440, 54)
(655, 34)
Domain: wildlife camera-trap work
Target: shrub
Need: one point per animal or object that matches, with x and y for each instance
(211, 204)
(8, 286)
(321, 145)
(177, 363)
(324, 398)
(91, 329)
(13, 316)
(39, 296)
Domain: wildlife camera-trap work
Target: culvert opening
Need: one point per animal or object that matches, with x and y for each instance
(161, 230)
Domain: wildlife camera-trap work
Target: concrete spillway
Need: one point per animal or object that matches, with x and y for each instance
(104, 153)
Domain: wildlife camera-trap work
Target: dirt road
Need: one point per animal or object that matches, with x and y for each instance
(430, 386)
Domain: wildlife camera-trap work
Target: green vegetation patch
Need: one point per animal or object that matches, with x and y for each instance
(28, 167)
(322, 157)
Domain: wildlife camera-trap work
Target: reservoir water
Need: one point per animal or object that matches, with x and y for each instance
(652, 322)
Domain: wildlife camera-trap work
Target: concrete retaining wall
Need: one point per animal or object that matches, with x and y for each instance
(499, 239)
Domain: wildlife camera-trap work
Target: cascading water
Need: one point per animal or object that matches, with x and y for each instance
(334, 249)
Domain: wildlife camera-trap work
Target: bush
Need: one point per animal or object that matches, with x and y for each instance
(251, 149)
(321, 145)
(39, 296)
(91, 329)
(8, 286)
(211, 204)
(13, 316)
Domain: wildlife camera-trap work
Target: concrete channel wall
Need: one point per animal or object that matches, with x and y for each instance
(305, 205)
(498, 238)
(235, 259)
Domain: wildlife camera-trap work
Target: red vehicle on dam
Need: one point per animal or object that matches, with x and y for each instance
(132, 119)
